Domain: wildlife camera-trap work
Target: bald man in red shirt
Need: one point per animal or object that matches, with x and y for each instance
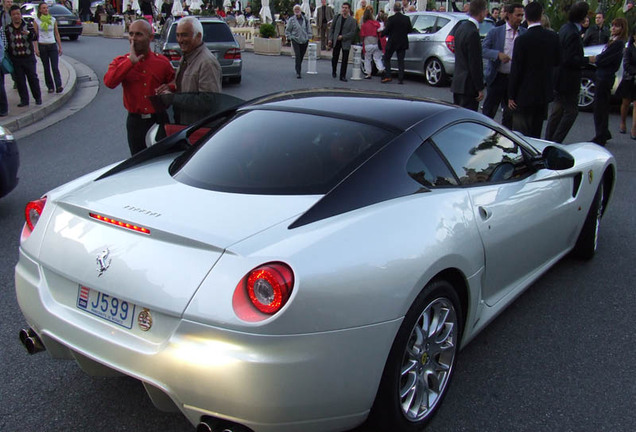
(140, 73)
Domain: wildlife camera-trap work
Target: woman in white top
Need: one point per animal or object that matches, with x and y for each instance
(48, 47)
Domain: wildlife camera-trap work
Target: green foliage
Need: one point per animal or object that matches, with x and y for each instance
(557, 10)
(267, 31)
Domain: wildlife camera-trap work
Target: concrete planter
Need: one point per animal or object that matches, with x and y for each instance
(90, 29)
(113, 31)
(270, 46)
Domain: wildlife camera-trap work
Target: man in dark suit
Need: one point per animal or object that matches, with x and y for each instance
(536, 54)
(597, 33)
(468, 79)
(343, 30)
(397, 29)
(498, 48)
(568, 75)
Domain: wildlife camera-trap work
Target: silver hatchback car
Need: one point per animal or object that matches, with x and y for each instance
(432, 45)
(217, 36)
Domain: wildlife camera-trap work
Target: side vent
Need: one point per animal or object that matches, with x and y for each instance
(576, 184)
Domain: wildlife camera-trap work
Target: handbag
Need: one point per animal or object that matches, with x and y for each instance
(6, 65)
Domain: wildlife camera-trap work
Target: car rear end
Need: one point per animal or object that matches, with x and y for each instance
(68, 24)
(9, 162)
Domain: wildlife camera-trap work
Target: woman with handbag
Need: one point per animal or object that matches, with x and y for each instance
(627, 88)
(48, 47)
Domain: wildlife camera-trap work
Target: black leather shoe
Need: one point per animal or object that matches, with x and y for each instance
(333, 74)
(298, 76)
(59, 90)
(4, 114)
(38, 101)
(51, 90)
(343, 79)
(23, 104)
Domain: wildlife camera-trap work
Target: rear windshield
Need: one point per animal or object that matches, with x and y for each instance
(59, 10)
(281, 153)
(212, 32)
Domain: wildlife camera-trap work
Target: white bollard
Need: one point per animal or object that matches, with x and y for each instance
(357, 59)
(311, 58)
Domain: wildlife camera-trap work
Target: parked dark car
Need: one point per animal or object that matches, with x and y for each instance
(68, 24)
(9, 162)
(217, 36)
(587, 95)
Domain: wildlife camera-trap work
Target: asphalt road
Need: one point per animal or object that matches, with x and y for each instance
(561, 358)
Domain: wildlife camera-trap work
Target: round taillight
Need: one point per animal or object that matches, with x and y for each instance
(269, 286)
(33, 211)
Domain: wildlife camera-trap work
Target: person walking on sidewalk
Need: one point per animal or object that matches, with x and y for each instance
(140, 73)
(370, 37)
(298, 30)
(20, 37)
(342, 32)
(324, 16)
(48, 47)
(4, 105)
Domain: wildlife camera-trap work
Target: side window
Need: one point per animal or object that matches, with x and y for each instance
(425, 24)
(479, 154)
(441, 22)
(427, 168)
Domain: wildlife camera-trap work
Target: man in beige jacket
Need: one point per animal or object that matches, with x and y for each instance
(198, 75)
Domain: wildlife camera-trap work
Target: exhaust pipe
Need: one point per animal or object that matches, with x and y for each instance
(209, 424)
(31, 341)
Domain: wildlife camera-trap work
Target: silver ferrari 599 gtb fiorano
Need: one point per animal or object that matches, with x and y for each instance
(306, 261)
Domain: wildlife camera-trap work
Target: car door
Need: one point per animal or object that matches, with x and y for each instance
(520, 212)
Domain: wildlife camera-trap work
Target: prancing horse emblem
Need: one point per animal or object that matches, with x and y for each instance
(103, 261)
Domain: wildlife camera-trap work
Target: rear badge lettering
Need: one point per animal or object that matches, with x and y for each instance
(590, 176)
(144, 320)
(142, 211)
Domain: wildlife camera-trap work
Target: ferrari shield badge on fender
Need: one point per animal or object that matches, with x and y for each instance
(144, 320)
(590, 176)
(103, 261)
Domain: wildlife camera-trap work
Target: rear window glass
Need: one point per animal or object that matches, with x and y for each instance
(281, 153)
(212, 32)
(59, 10)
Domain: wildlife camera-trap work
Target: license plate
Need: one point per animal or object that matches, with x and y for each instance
(106, 307)
(63, 23)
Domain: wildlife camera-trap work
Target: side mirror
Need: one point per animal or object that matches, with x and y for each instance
(556, 158)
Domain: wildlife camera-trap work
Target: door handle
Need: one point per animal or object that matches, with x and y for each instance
(484, 213)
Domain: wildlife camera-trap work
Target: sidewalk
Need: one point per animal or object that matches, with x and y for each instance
(19, 118)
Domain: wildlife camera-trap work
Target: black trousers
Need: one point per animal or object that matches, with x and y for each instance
(387, 62)
(25, 71)
(137, 128)
(529, 120)
(345, 59)
(466, 101)
(299, 52)
(497, 95)
(601, 109)
(50, 61)
(564, 111)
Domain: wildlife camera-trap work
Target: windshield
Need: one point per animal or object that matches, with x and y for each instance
(281, 153)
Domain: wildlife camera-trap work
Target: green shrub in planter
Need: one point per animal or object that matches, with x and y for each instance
(267, 31)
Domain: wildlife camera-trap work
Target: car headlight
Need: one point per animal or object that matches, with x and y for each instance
(5, 134)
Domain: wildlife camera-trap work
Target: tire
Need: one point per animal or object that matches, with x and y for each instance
(235, 80)
(587, 243)
(435, 73)
(419, 364)
(73, 37)
(587, 94)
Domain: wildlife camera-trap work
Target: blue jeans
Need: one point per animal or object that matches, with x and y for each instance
(50, 60)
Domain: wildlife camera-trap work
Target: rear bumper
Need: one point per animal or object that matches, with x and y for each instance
(70, 31)
(9, 163)
(312, 382)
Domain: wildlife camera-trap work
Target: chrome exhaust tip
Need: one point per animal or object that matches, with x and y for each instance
(210, 424)
(31, 341)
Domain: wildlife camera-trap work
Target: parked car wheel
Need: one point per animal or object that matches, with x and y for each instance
(422, 360)
(435, 73)
(73, 37)
(587, 242)
(588, 91)
(235, 79)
